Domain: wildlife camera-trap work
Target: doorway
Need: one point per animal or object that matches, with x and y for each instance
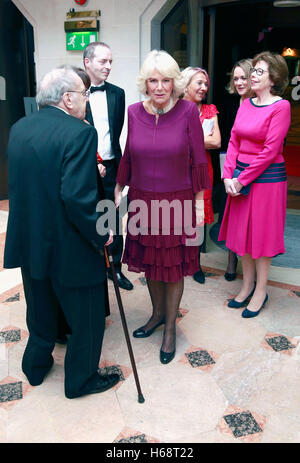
(17, 76)
(261, 26)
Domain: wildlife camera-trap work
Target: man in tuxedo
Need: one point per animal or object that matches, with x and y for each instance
(52, 236)
(105, 112)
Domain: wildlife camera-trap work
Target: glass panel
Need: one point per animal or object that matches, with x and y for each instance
(174, 33)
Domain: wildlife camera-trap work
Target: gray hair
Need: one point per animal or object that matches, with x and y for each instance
(164, 63)
(54, 84)
(89, 51)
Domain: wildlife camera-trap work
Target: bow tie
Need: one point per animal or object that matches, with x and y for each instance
(96, 89)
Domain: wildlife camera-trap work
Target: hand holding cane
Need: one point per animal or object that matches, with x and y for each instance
(110, 264)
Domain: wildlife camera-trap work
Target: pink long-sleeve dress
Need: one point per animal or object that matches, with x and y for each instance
(254, 224)
(163, 161)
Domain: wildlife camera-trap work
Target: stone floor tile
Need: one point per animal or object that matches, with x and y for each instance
(222, 330)
(197, 357)
(93, 418)
(242, 424)
(177, 399)
(282, 429)
(280, 343)
(130, 436)
(12, 390)
(283, 316)
(211, 437)
(245, 373)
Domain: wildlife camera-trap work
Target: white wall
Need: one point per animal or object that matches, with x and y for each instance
(125, 25)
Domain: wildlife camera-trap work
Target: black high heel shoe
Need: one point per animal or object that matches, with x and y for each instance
(233, 304)
(199, 276)
(141, 333)
(231, 276)
(250, 314)
(166, 357)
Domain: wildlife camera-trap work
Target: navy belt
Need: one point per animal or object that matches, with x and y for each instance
(276, 172)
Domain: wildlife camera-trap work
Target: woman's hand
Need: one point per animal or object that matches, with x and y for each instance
(199, 206)
(118, 194)
(238, 186)
(230, 186)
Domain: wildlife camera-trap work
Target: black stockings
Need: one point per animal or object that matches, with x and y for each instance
(165, 298)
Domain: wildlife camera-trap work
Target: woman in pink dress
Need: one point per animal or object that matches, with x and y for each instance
(197, 85)
(164, 162)
(253, 223)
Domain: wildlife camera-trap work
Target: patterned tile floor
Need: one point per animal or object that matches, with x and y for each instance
(232, 379)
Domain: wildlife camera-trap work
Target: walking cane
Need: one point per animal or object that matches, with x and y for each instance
(110, 264)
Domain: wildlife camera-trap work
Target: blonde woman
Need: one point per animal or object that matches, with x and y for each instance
(239, 89)
(197, 85)
(164, 160)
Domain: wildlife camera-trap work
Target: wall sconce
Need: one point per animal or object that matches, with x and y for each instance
(290, 53)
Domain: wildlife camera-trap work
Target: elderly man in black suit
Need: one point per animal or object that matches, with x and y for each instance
(105, 112)
(52, 236)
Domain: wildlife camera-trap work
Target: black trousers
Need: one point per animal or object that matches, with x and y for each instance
(84, 310)
(109, 183)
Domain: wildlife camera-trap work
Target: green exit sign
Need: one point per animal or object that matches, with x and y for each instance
(79, 40)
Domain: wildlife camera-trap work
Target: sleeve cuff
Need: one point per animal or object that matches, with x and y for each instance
(124, 171)
(200, 178)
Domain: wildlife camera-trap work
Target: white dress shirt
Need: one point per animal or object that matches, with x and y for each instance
(98, 104)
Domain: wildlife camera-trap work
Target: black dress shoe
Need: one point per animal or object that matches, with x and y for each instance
(233, 304)
(123, 282)
(166, 357)
(103, 383)
(250, 314)
(38, 381)
(199, 276)
(231, 276)
(141, 333)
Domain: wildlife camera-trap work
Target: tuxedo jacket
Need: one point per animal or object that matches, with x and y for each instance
(53, 193)
(116, 109)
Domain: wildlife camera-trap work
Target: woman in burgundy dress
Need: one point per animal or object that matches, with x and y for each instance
(253, 223)
(164, 163)
(197, 85)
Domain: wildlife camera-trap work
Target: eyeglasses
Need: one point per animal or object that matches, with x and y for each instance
(258, 71)
(85, 93)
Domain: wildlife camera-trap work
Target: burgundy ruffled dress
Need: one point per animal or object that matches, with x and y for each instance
(163, 161)
(208, 111)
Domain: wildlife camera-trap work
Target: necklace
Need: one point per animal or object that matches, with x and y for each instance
(161, 111)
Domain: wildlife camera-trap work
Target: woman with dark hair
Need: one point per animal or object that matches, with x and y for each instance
(255, 179)
(239, 89)
(197, 85)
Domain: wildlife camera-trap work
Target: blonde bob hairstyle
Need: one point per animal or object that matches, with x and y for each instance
(246, 66)
(189, 72)
(161, 61)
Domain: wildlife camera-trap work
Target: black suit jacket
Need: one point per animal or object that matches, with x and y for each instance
(116, 110)
(53, 193)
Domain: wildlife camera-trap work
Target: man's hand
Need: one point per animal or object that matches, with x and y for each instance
(102, 170)
(111, 238)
